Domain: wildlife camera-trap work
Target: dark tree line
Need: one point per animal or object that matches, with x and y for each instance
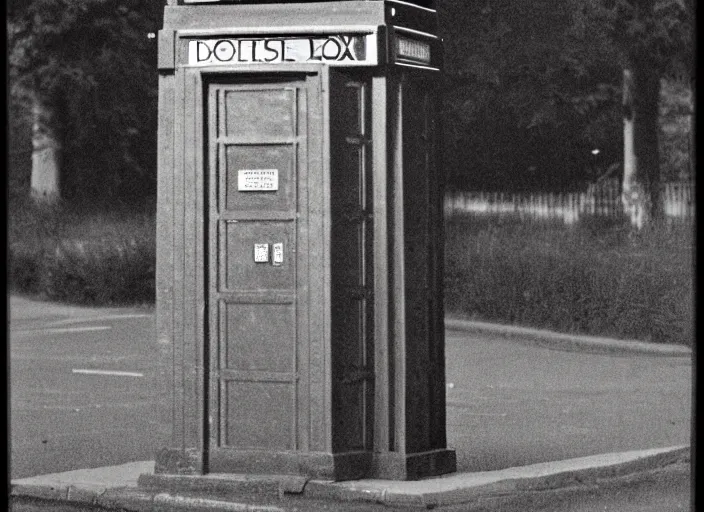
(83, 74)
(548, 95)
(532, 89)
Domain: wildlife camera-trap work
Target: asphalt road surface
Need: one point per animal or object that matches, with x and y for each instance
(83, 395)
(663, 490)
(512, 404)
(81, 388)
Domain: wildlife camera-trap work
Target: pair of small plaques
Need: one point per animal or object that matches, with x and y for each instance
(262, 254)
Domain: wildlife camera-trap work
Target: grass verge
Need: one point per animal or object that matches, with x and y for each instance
(82, 258)
(596, 278)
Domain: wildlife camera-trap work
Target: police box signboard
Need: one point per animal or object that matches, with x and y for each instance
(333, 49)
(422, 3)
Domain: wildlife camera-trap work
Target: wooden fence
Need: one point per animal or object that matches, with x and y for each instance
(603, 200)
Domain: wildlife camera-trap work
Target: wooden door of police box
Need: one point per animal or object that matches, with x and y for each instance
(273, 270)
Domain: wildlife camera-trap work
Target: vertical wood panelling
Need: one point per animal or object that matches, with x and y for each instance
(180, 363)
(302, 351)
(351, 284)
(199, 272)
(192, 351)
(165, 255)
(433, 137)
(439, 397)
(419, 271)
(399, 275)
(318, 183)
(381, 264)
(215, 324)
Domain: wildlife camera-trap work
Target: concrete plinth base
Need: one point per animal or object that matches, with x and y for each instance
(390, 466)
(413, 466)
(320, 465)
(312, 465)
(220, 484)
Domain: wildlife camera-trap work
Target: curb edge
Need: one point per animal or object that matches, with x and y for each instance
(564, 341)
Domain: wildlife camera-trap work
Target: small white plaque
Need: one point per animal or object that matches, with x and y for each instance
(278, 254)
(257, 180)
(261, 253)
(411, 49)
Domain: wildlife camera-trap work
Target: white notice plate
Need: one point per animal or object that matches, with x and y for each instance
(257, 180)
(261, 253)
(278, 250)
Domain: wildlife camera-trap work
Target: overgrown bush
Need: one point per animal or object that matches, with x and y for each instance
(595, 278)
(95, 258)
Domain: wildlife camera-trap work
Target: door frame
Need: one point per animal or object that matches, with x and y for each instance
(308, 438)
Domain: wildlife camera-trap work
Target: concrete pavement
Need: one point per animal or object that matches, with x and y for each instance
(118, 487)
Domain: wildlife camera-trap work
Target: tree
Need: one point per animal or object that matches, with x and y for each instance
(650, 39)
(86, 71)
(522, 113)
(534, 86)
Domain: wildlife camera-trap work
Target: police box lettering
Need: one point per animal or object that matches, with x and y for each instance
(338, 50)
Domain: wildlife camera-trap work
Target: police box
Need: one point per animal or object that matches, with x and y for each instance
(299, 256)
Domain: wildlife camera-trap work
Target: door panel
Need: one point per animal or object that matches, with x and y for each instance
(258, 415)
(247, 349)
(279, 157)
(239, 270)
(269, 385)
(425, 377)
(255, 147)
(249, 111)
(352, 279)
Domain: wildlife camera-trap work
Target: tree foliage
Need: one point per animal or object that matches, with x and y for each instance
(652, 40)
(534, 87)
(93, 62)
(522, 115)
(656, 33)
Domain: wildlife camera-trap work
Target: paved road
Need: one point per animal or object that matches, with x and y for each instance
(662, 490)
(509, 404)
(513, 404)
(82, 384)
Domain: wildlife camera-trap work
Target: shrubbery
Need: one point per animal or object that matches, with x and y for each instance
(596, 278)
(98, 258)
(589, 279)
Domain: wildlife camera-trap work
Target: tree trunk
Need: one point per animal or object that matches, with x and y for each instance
(692, 145)
(641, 194)
(46, 151)
(631, 195)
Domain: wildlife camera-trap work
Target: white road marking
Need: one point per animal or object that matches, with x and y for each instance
(500, 415)
(119, 405)
(108, 372)
(74, 359)
(66, 330)
(126, 316)
(72, 436)
(53, 326)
